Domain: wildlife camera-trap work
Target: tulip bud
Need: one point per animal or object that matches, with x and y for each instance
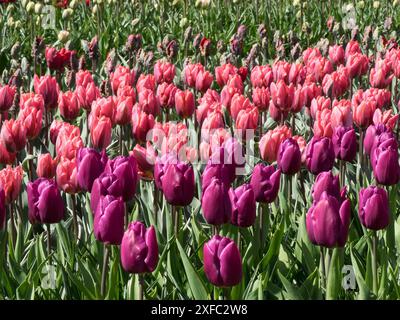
(125, 169)
(385, 164)
(145, 158)
(148, 102)
(164, 72)
(271, 141)
(100, 132)
(373, 208)
(326, 182)
(178, 183)
(10, 182)
(184, 103)
(222, 262)
(13, 135)
(345, 143)
(7, 94)
(69, 105)
(105, 184)
(66, 173)
(204, 81)
(243, 206)
(46, 166)
(327, 222)
(142, 123)
(109, 220)
(289, 157)
(265, 181)
(139, 249)
(47, 86)
(90, 164)
(215, 202)
(320, 155)
(374, 135)
(45, 203)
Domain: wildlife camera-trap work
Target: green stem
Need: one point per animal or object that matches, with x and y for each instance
(48, 242)
(141, 287)
(104, 271)
(374, 263)
(74, 218)
(12, 224)
(322, 262)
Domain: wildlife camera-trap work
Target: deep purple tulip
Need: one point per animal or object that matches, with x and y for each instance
(385, 164)
(90, 164)
(159, 165)
(384, 141)
(234, 153)
(139, 249)
(223, 173)
(45, 204)
(372, 134)
(326, 182)
(125, 168)
(265, 181)
(222, 262)
(327, 222)
(2, 209)
(106, 184)
(109, 220)
(215, 203)
(373, 208)
(243, 205)
(222, 164)
(345, 143)
(178, 183)
(289, 157)
(320, 155)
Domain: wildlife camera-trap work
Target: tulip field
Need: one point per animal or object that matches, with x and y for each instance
(199, 150)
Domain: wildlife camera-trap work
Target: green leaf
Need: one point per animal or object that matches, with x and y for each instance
(364, 292)
(195, 283)
(334, 280)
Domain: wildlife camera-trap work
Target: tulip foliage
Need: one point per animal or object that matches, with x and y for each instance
(209, 155)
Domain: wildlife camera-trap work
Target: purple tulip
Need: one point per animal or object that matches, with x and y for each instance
(2, 209)
(289, 157)
(265, 181)
(106, 184)
(125, 168)
(373, 208)
(344, 143)
(326, 182)
(320, 155)
(45, 204)
(178, 183)
(90, 164)
(222, 262)
(382, 141)
(372, 134)
(159, 165)
(215, 203)
(243, 205)
(139, 249)
(385, 164)
(234, 153)
(327, 222)
(109, 220)
(223, 173)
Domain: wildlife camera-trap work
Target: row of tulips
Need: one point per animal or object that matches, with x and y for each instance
(145, 103)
